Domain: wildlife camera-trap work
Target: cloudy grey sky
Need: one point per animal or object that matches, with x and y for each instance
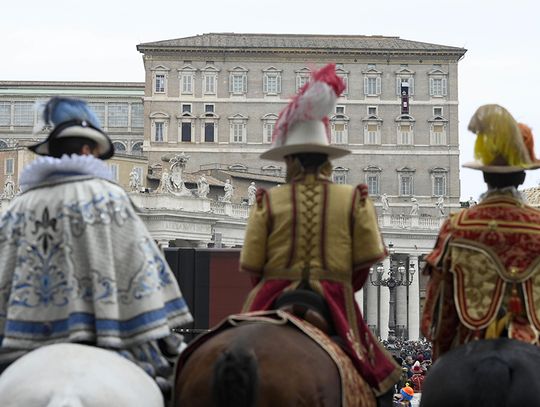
(96, 40)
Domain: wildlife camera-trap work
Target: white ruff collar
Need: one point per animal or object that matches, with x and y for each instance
(44, 168)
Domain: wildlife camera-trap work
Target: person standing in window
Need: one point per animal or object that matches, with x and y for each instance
(92, 273)
(316, 235)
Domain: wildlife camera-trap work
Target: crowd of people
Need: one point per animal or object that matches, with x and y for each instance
(414, 357)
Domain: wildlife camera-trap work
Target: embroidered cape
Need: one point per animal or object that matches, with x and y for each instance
(78, 265)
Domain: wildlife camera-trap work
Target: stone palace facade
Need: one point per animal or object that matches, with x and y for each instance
(216, 97)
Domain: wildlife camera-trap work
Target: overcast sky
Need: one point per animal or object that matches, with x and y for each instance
(71, 40)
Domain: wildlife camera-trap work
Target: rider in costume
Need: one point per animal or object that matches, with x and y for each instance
(77, 263)
(311, 230)
(484, 269)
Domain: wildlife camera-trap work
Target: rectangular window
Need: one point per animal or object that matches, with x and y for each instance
(9, 166)
(160, 83)
(209, 108)
(186, 108)
(158, 131)
(437, 86)
(268, 131)
(340, 177)
(439, 186)
(373, 184)
(372, 86)
(340, 109)
(209, 132)
(114, 171)
(99, 109)
(438, 134)
(5, 113)
(405, 185)
(137, 115)
(372, 130)
(117, 115)
(23, 114)
(238, 132)
(186, 132)
(238, 83)
(271, 84)
(405, 134)
(437, 111)
(301, 80)
(210, 84)
(372, 110)
(187, 84)
(339, 133)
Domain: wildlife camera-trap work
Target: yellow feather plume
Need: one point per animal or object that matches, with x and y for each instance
(499, 140)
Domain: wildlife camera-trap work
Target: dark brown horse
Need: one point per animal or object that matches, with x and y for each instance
(496, 373)
(259, 364)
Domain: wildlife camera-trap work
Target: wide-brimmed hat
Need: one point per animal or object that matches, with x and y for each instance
(502, 144)
(303, 126)
(72, 118)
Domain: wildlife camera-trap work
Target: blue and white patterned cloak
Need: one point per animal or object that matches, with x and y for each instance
(78, 265)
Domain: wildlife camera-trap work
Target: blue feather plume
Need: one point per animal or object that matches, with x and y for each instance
(59, 110)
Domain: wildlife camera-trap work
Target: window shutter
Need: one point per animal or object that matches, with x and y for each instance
(244, 80)
(231, 83)
(430, 86)
(378, 85)
(279, 84)
(346, 81)
(265, 83)
(365, 85)
(411, 86)
(398, 86)
(444, 86)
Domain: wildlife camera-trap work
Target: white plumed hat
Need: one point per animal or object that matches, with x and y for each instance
(303, 126)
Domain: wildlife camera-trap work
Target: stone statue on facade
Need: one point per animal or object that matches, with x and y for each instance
(203, 188)
(9, 188)
(415, 206)
(440, 205)
(471, 202)
(385, 204)
(252, 194)
(178, 164)
(134, 181)
(228, 189)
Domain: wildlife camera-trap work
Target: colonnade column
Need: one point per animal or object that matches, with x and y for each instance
(372, 303)
(401, 310)
(414, 301)
(384, 305)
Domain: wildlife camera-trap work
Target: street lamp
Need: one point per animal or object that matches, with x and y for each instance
(396, 276)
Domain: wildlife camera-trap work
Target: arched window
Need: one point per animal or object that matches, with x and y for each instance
(119, 147)
(137, 148)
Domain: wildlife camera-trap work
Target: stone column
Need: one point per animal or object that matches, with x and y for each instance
(384, 304)
(401, 307)
(372, 304)
(414, 302)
